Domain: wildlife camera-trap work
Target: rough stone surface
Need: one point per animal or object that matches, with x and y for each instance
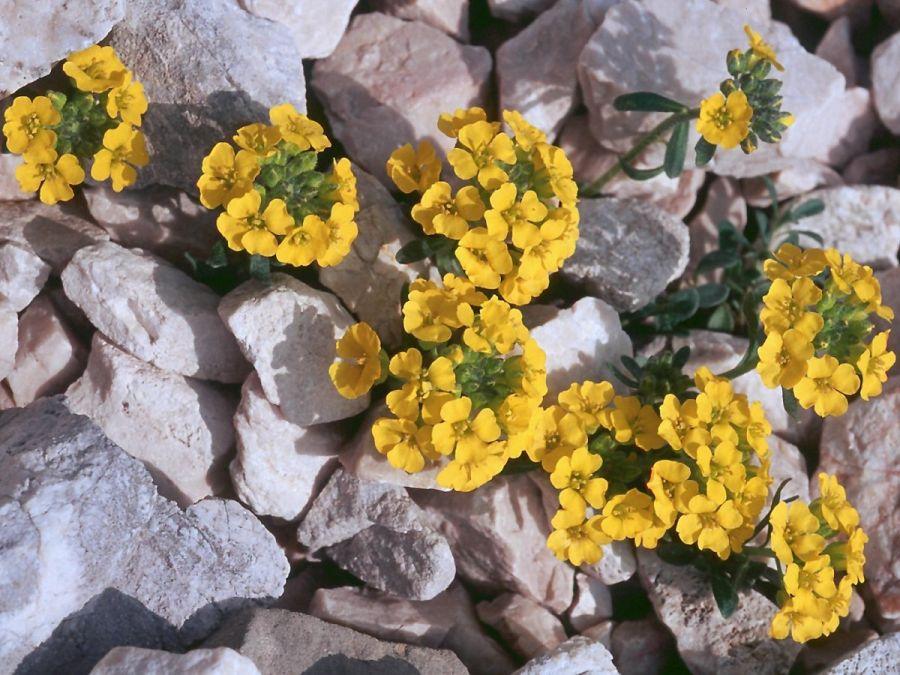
(22, 276)
(448, 622)
(641, 646)
(498, 534)
(527, 627)
(50, 356)
(154, 311)
(576, 655)
(129, 660)
(82, 521)
(709, 643)
(180, 428)
(207, 68)
(802, 176)
(880, 167)
(279, 465)
(516, 10)
(877, 656)
(886, 82)
(836, 47)
(378, 86)
(628, 251)
(316, 25)
(602, 633)
(9, 341)
(817, 657)
(833, 8)
(861, 449)
(9, 186)
(593, 603)
(756, 11)
(285, 328)
(450, 16)
(34, 35)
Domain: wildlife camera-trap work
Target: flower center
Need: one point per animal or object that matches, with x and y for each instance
(721, 118)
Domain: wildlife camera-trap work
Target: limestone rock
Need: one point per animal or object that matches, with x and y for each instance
(450, 16)
(207, 68)
(832, 8)
(576, 655)
(516, 10)
(316, 25)
(628, 252)
(378, 86)
(285, 328)
(877, 656)
(9, 340)
(836, 47)
(885, 82)
(641, 646)
(802, 176)
(528, 628)
(279, 465)
(602, 633)
(593, 603)
(6, 399)
(9, 186)
(128, 660)
(724, 201)
(756, 11)
(22, 276)
(817, 657)
(34, 35)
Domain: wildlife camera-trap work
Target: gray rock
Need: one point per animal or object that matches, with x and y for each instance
(593, 603)
(628, 251)
(22, 276)
(802, 176)
(576, 655)
(836, 47)
(833, 8)
(641, 646)
(9, 186)
(316, 25)
(128, 660)
(9, 340)
(450, 16)
(527, 627)
(154, 311)
(516, 10)
(877, 656)
(205, 73)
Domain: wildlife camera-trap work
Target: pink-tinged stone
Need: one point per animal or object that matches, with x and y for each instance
(886, 82)
(9, 186)
(801, 177)
(9, 340)
(220, 661)
(641, 646)
(22, 276)
(516, 10)
(880, 167)
(527, 627)
(579, 654)
(450, 16)
(316, 25)
(593, 603)
(832, 8)
(836, 47)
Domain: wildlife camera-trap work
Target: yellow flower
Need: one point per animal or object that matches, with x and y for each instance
(497, 328)
(575, 539)
(54, 177)
(482, 147)
(303, 242)
(795, 532)
(557, 434)
(419, 383)
(341, 231)
(507, 215)
(473, 465)
(414, 170)
(260, 139)
(798, 617)
(483, 258)
(636, 423)
(826, 386)
(783, 358)
(95, 69)
(791, 262)
(816, 575)
(226, 175)
(298, 129)
(127, 101)
(123, 149)
(849, 277)
(27, 124)
(534, 370)
(405, 445)
(680, 426)
(574, 476)
(246, 229)
(515, 416)
(786, 307)
(708, 524)
(527, 135)
(456, 429)
(552, 165)
(834, 507)
(439, 212)
(449, 124)
(359, 367)
(627, 515)
(725, 122)
(722, 468)
(855, 556)
(589, 401)
(722, 410)
(761, 48)
(343, 181)
(672, 489)
(874, 363)
(758, 429)
(431, 314)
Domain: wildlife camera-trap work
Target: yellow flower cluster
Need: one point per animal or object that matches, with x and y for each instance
(275, 201)
(699, 465)
(56, 133)
(515, 220)
(816, 318)
(813, 600)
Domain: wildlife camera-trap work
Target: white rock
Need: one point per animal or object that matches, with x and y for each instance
(180, 428)
(601, 633)
(886, 82)
(129, 660)
(35, 35)
(832, 8)
(9, 186)
(836, 47)
(515, 10)
(593, 603)
(817, 657)
(286, 328)
(49, 357)
(802, 176)
(576, 655)
(279, 465)
(316, 25)
(724, 201)
(22, 276)
(756, 11)
(9, 340)
(6, 399)
(529, 629)
(378, 86)
(788, 462)
(450, 16)
(208, 67)
(877, 656)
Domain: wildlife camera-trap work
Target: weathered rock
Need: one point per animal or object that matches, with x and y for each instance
(822, 653)
(527, 627)
(377, 87)
(220, 661)
(447, 622)
(180, 428)
(576, 655)
(207, 68)
(9, 340)
(6, 399)
(860, 448)
(82, 520)
(22, 276)
(723, 202)
(802, 176)
(450, 16)
(709, 643)
(889, 281)
(316, 25)
(279, 465)
(881, 167)
(836, 47)
(499, 539)
(886, 82)
(376, 532)
(602, 633)
(877, 656)
(756, 11)
(832, 8)
(641, 646)
(516, 10)
(49, 357)
(593, 603)
(285, 328)
(9, 186)
(35, 35)
(369, 281)
(628, 251)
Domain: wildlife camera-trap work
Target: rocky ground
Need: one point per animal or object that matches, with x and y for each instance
(177, 473)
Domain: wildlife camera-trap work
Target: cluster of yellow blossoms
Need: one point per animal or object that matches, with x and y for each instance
(816, 318)
(514, 222)
(58, 133)
(464, 395)
(275, 201)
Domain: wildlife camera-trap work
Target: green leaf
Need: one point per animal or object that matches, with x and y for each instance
(771, 189)
(58, 99)
(815, 236)
(260, 268)
(722, 319)
(633, 367)
(716, 259)
(218, 257)
(806, 209)
(703, 152)
(639, 174)
(681, 305)
(675, 553)
(414, 251)
(724, 592)
(680, 358)
(712, 294)
(676, 149)
(647, 101)
(790, 403)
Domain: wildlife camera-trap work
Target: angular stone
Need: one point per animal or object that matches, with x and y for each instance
(802, 176)
(516, 10)
(833, 8)
(285, 328)
(377, 87)
(628, 251)
(128, 660)
(576, 655)
(316, 25)
(817, 657)
(498, 535)
(6, 399)
(880, 167)
(527, 627)
(447, 622)
(180, 428)
(49, 357)
(279, 466)
(836, 47)
(756, 11)
(9, 341)
(35, 35)
(601, 633)
(22, 276)
(724, 201)
(877, 656)
(450, 16)
(82, 520)
(9, 186)
(886, 82)
(369, 281)
(709, 643)
(207, 67)
(641, 646)
(593, 603)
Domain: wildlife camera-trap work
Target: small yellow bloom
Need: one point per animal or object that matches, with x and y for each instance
(507, 215)
(783, 358)
(53, 176)
(246, 229)
(419, 383)
(758, 429)
(343, 181)
(672, 489)
(457, 429)
(834, 507)
(795, 532)
(414, 170)
(474, 464)
(480, 146)
(574, 476)
(449, 124)
(575, 539)
(798, 617)
(816, 575)
(874, 363)
(557, 434)
(589, 401)
(855, 556)
(497, 329)
(226, 175)
(484, 258)
(123, 149)
(405, 445)
(127, 101)
(95, 69)
(791, 262)
(787, 306)
(527, 135)
(341, 231)
(464, 290)
(440, 212)
(826, 385)
(26, 124)
(554, 167)
(627, 515)
(636, 423)
(359, 367)
(681, 427)
(725, 122)
(431, 314)
(302, 242)
(298, 129)
(708, 524)
(260, 139)
(761, 48)
(723, 469)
